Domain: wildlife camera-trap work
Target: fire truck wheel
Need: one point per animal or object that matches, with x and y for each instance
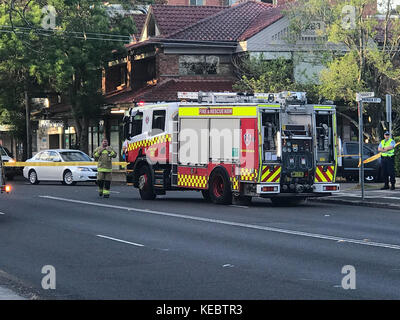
(206, 195)
(146, 188)
(287, 201)
(220, 187)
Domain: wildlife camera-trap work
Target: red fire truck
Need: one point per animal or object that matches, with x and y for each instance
(233, 146)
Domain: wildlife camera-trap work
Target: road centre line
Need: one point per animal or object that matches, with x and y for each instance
(119, 240)
(2, 213)
(235, 224)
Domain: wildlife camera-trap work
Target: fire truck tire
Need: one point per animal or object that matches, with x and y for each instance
(206, 195)
(146, 188)
(220, 187)
(287, 201)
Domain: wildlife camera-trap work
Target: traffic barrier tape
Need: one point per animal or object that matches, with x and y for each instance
(375, 157)
(57, 164)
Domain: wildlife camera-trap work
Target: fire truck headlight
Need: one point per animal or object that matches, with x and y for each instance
(7, 188)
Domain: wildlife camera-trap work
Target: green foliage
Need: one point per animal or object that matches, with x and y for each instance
(260, 75)
(339, 81)
(360, 54)
(67, 60)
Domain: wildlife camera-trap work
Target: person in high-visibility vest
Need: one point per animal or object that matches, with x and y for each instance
(104, 155)
(387, 148)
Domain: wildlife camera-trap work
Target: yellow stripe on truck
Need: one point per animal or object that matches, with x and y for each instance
(56, 164)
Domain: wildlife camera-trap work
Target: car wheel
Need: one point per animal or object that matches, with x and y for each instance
(220, 187)
(33, 179)
(68, 178)
(146, 188)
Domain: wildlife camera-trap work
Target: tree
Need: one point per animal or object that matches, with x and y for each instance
(69, 57)
(256, 74)
(362, 49)
(18, 64)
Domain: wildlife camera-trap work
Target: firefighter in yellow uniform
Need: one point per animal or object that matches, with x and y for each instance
(104, 155)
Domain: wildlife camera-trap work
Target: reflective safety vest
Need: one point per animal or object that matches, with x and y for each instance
(385, 144)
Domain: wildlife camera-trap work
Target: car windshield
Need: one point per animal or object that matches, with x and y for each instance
(74, 156)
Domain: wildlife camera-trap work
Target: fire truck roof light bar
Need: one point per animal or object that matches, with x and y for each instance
(229, 97)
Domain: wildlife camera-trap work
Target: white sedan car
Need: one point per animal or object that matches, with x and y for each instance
(68, 174)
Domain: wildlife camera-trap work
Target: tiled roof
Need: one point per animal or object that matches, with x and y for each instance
(229, 24)
(172, 18)
(263, 20)
(139, 20)
(167, 90)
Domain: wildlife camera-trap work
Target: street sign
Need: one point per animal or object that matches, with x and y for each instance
(362, 95)
(371, 100)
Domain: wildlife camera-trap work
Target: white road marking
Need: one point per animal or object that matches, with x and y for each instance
(119, 240)
(237, 206)
(397, 198)
(236, 224)
(2, 213)
(115, 192)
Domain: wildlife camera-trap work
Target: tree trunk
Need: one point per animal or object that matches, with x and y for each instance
(84, 138)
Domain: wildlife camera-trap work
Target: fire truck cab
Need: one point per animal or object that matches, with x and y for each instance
(233, 146)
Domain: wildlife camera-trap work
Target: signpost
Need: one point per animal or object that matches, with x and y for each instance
(363, 97)
(371, 100)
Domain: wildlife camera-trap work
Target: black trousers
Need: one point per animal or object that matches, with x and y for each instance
(388, 170)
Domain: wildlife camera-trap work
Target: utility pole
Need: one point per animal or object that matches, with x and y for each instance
(389, 112)
(361, 97)
(28, 127)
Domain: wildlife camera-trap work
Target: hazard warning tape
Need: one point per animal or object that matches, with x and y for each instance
(57, 164)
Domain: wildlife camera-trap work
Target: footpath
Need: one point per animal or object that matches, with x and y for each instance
(350, 194)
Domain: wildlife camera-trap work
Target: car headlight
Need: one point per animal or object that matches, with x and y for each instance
(83, 169)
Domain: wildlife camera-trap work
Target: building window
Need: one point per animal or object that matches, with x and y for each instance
(123, 75)
(198, 65)
(196, 2)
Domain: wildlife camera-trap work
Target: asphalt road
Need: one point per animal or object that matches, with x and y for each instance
(181, 247)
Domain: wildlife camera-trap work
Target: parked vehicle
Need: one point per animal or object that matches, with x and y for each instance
(68, 174)
(9, 172)
(349, 168)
